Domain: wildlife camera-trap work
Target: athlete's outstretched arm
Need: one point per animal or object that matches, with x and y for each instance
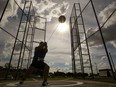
(45, 47)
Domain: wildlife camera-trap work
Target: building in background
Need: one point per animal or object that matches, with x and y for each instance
(105, 72)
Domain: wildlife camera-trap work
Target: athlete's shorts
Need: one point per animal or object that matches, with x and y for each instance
(38, 64)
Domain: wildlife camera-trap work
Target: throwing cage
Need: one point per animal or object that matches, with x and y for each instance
(29, 29)
(80, 22)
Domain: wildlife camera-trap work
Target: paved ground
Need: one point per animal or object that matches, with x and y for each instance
(60, 83)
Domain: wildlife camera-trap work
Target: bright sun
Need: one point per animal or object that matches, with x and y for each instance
(63, 27)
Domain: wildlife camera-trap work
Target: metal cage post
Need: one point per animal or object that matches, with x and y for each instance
(103, 39)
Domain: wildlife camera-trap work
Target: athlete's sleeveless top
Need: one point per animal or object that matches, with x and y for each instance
(39, 54)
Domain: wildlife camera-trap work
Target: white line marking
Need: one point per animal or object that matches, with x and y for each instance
(68, 85)
(78, 83)
(12, 84)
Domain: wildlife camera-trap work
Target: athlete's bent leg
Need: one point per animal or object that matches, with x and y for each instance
(28, 72)
(45, 75)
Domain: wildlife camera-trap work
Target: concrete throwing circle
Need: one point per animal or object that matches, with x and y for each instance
(59, 83)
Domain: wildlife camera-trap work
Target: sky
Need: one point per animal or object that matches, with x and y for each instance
(59, 45)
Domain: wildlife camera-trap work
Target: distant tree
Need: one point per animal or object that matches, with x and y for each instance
(51, 74)
(1, 67)
(7, 66)
(59, 74)
(69, 74)
(81, 74)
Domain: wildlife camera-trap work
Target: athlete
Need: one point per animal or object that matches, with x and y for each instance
(38, 63)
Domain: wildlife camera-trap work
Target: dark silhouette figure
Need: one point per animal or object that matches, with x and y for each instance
(38, 63)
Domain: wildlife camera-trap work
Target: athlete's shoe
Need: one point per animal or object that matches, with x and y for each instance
(45, 83)
(21, 82)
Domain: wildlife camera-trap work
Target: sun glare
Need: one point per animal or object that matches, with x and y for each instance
(63, 27)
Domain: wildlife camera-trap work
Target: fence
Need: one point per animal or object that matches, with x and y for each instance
(91, 37)
(21, 30)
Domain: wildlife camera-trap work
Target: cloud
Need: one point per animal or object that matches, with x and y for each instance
(18, 46)
(67, 64)
(86, 61)
(50, 9)
(6, 53)
(106, 12)
(103, 65)
(58, 10)
(58, 59)
(44, 5)
(114, 43)
(10, 11)
(103, 58)
(8, 48)
(40, 23)
(61, 66)
(60, 52)
(2, 4)
(2, 45)
(109, 34)
(108, 30)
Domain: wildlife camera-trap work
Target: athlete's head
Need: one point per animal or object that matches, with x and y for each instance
(41, 43)
(45, 43)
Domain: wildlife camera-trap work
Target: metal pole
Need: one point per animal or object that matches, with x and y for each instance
(45, 30)
(86, 41)
(29, 26)
(25, 37)
(72, 49)
(22, 43)
(101, 26)
(96, 68)
(31, 42)
(80, 47)
(102, 38)
(24, 48)
(14, 45)
(112, 62)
